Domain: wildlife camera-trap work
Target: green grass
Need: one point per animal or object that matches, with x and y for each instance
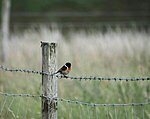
(111, 54)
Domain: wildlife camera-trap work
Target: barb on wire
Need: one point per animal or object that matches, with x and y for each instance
(76, 78)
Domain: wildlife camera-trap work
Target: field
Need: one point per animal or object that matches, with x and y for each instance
(115, 53)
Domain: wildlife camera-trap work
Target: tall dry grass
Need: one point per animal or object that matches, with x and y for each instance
(113, 50)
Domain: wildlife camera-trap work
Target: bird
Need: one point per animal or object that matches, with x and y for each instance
(65, 69)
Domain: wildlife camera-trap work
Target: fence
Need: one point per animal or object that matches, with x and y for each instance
(47, 105)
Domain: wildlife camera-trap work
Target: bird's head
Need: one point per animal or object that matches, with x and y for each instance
(68, 64)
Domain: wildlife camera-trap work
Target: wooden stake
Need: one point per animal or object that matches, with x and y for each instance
(49, 83)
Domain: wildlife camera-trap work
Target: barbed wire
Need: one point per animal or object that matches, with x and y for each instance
(107, 78)
(21, 95)
(94, 104)
(21, 70)
(73, 101)
(9, 103)
(76, 78)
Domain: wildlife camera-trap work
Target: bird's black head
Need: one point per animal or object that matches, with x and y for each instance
(68, 64)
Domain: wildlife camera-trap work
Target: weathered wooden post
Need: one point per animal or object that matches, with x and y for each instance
(49, 83)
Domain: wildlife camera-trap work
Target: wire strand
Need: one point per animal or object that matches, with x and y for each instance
(76, 78)
(73, 101)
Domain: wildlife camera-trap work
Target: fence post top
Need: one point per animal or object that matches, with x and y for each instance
(47, 43)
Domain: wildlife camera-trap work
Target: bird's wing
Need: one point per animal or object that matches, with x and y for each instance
(62, 69)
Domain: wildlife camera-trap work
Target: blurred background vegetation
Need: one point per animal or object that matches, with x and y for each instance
(99, 37)
(80, 13)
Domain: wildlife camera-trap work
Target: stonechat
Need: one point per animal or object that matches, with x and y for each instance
(64, 70)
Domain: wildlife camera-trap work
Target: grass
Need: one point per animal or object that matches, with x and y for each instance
(92, 53)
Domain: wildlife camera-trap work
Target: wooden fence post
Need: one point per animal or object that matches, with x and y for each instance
(49, 83)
